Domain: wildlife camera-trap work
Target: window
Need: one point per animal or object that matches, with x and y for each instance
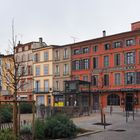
(138, 77)
(130, 78)
(117, 79)
(23, 57)
(45, 69)
(46, 85)
(49, 100)
(117, 44)
(30, 56)
(23, 48)
(36, 57)
(77, 64)
(23, 70)
(56, 55)
(29, 70)
(23, 88)
(106, 80)
(37, 86)
(86, 50)
(37, 70)
(40, 100)
(57, 69)
(65, 53)
(66, 69)
(117, 59)
(94, 80)
(106, 61)
(113, 99)
(46, 56)
(130, 42)
(85, 78)
(85, 63)
(130, 58)
(95, 62)
(76, 51)
(95, 48)
(107, 46)
(57, 85)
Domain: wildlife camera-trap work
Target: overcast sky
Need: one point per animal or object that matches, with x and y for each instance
(57, 21)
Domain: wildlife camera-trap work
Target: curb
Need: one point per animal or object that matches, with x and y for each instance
(88, 133)
(81, 135)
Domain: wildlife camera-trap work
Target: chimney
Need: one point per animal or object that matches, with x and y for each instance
(135, 26)
(40, 40)
(104, 33)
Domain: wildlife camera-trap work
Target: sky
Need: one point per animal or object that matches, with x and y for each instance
(61, 22)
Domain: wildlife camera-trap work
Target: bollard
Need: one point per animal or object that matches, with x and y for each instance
(104, 122)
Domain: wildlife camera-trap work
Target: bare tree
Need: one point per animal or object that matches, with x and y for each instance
(12, 74)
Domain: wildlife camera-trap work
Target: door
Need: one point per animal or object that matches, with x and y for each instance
(40, 100)
(96, 102)
(129, 102)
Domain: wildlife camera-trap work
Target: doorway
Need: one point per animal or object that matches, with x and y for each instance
(129, 102)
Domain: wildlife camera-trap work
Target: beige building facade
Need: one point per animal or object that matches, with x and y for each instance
(62, 69)
(43, 75)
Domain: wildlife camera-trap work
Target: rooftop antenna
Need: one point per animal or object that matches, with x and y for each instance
(74, 38)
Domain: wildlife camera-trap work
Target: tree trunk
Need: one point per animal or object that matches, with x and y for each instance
(101, 108)
(15, 123)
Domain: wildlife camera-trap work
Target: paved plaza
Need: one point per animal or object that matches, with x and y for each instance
(118, 130)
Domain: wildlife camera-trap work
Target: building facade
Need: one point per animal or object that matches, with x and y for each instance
(43, 75)
(6, 77)
(62, 71)
(112, 65)
(24, 58)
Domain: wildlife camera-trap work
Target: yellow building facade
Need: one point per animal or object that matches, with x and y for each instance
(6, 79)
(43, 75)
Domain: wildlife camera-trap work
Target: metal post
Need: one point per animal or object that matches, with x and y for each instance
(33, 122)
(126, 117)
(133, 112)
(104, 122)
(18, 118)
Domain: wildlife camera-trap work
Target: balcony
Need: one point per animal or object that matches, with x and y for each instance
(41, 90)
(57, 74)
(66, 57)
(65, 73)
(5, 92)
(57, 58)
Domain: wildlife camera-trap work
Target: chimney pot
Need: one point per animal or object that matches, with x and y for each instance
(41, 40)
(104, 33)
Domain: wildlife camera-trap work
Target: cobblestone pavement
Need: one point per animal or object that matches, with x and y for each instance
(119, 130)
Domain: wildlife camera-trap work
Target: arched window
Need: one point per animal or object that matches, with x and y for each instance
(113, 99)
